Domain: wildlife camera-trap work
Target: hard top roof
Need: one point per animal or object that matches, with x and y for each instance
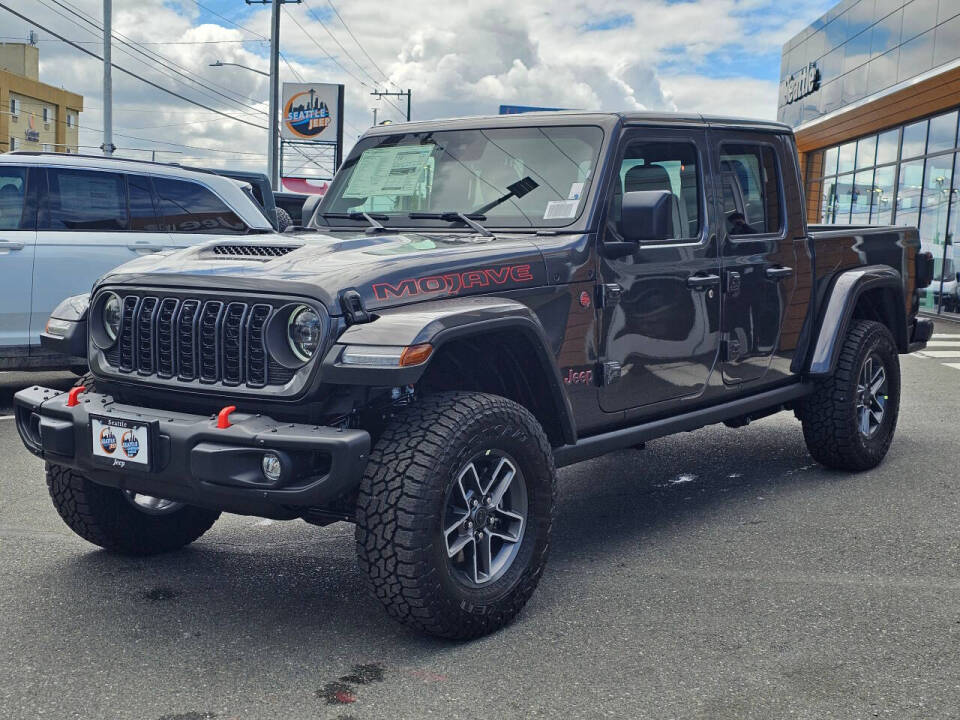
(578, 117)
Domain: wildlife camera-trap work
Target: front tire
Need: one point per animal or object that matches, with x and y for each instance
(121, 522)
(454, 513)
(850, 419)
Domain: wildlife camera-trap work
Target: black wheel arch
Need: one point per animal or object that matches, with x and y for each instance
(476, 332)
(873, 292)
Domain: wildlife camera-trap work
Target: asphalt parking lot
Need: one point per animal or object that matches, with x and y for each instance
(717, 574)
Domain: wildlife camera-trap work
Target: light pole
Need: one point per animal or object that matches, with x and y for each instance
(245, 67)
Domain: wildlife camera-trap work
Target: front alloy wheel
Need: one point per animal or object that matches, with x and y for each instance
(484, 518)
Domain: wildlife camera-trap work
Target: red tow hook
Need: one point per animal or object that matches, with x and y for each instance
(72, 397)
(223, 417)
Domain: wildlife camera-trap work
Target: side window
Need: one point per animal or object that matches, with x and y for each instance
(190, 208)
(13, 186)
(751, 188)
(85, 200)
(143, 214)
(670, 166)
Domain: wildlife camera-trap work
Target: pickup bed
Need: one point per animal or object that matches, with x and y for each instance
(473, 304)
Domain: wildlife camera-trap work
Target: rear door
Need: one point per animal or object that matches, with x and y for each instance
(661, 310)
(89, 223)
(759, 260)
(18, 235)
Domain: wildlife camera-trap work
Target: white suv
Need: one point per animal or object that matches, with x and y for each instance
(65, 220)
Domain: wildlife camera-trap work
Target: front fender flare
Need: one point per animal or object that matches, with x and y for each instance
(847, 288)
(439, 322)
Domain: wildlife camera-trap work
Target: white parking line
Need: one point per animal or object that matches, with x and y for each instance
(7, 417)
(944, 343)
(940, 353)
(945, 336)
(956, 366)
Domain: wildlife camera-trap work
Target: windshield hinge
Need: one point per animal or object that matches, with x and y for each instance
(353, 310)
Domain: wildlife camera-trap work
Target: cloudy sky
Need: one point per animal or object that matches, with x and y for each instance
(459, 58)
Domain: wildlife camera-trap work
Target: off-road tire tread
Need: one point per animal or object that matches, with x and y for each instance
(831, 438)
(393, 519)
(102, 516)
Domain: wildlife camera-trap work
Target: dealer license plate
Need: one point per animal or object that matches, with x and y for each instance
(121, 442)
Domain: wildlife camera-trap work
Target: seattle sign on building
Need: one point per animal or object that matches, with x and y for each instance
(800, 84)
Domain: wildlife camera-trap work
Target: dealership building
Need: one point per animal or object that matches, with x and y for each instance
(872, 89)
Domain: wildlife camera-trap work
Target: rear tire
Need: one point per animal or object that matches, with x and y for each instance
(106, 517)
(444, 583)
(850, 419)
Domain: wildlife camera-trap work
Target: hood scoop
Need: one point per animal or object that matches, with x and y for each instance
(252, 251)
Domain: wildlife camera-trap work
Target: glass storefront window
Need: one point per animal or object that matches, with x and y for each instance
(828, 203)
(908, 193)
(847, 154)
(866, 152)
(936, 200)
(914, 139)
(883, 196)
(830, 161)
(844, 195)
(887, 146)
(943, 132)
(861, 198)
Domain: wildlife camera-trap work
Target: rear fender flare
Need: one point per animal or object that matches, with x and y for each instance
(847, 289)
(439, 322)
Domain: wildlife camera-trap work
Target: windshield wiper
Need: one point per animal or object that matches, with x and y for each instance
(517, 190)
(375, 225)
(455, 216)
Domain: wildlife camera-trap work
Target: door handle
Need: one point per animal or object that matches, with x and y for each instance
(779, 273)
(702, 281)
(11, 245)
(144, 245)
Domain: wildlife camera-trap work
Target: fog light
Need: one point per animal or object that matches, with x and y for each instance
(271, 466)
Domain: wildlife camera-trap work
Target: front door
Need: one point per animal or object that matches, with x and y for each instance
(18, 236)
(661, 306)
(759, 259)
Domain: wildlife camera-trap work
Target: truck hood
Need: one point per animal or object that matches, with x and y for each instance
(387, 269)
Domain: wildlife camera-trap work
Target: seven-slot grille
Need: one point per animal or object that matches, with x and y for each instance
(213, 341)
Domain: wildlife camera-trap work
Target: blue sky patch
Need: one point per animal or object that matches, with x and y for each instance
(610, 23)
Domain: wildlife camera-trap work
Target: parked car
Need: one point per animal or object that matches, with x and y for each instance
(65, 220)
(945, 283)
(480, 302)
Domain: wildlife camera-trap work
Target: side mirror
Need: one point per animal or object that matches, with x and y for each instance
(649, 215)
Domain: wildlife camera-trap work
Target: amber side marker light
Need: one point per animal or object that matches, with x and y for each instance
(415, 354)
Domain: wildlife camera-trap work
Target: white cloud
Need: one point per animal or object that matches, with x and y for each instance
(459, 58)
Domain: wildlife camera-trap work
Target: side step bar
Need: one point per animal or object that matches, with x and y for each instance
(596, 445)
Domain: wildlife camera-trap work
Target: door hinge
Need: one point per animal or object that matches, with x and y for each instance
(730, 350)
(608, 295)
(733, 283)
(609, 373)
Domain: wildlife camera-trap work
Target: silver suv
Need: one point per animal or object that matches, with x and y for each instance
(65, 220)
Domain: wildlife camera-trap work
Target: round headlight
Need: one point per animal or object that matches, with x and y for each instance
(305, 332)
(112, 314)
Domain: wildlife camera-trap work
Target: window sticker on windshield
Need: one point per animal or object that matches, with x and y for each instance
(576, 190)
(388, 171)
(561, 209)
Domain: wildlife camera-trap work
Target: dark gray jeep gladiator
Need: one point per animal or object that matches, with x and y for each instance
(474, 304)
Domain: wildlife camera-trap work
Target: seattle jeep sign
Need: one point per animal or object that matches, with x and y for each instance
(800, 84)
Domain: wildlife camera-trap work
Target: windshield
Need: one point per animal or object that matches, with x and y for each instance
(510, 177)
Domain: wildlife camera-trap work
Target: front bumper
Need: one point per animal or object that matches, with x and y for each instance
(195, 462)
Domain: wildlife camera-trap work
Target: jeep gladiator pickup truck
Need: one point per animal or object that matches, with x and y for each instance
(474, 304)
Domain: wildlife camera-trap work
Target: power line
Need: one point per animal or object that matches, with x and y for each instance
(322, 49)
(130, 72)
(339, 44)
(252, 32)
(359, 45)
(153, 56)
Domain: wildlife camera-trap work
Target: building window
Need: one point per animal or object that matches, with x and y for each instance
(46, 114)
(14, 107)
(14, 143)
(69, 120)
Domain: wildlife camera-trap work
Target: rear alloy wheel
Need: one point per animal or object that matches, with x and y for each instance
(850, 418)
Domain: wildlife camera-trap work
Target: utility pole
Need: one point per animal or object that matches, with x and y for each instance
(108, 147)
(374, 116)
(384, 93)
(273, 163)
